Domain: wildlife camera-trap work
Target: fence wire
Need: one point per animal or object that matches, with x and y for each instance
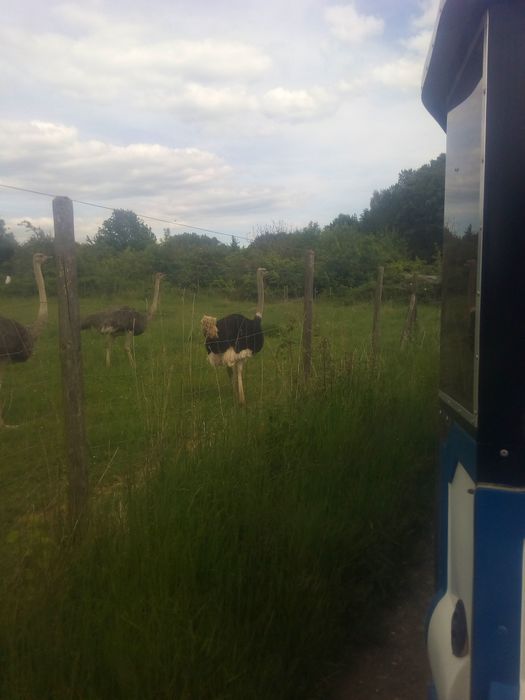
(171, 400)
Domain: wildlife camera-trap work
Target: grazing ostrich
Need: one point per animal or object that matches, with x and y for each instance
(125, 320)
(16, 340)
(231, 340)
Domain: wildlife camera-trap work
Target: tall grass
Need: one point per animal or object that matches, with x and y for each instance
(251, 550)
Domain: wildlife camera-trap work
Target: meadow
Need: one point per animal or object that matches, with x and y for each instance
(231, 553)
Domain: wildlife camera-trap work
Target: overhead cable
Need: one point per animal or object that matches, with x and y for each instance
(173, 222)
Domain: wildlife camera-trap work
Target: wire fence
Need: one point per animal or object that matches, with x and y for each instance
(170, 400)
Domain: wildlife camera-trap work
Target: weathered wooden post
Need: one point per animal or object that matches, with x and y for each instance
(71, 358)
(411, 318)
(308, 313)
(376, 326)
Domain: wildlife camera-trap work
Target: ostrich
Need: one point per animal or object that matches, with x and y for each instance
(231, 340)
(124, 320)
(16, 340)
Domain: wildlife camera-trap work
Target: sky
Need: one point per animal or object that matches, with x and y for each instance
(230, 115)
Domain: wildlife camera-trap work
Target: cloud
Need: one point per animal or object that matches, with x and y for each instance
(204, 76)
(348, 25)
(428, 14)
(99, 169)
(401, 73)
(405, 71)
(419, 43)
(220, 116)
(297, 105)
(191, 184)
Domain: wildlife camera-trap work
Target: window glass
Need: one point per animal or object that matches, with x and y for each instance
(462, 233)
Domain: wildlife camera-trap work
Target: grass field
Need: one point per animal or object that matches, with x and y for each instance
(232, 553)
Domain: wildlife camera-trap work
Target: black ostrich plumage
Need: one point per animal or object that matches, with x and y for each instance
(16, 341)
(237, 332)
(116, 321)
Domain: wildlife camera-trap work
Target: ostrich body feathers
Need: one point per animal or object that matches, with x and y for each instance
(232, 338)
(116, 321)
(16, 341)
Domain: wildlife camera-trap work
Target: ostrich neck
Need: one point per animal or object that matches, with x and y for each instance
(155, 303)
(41, 318)
(260, 296)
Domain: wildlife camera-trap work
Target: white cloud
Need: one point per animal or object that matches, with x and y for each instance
(401, 73)
(405, 71)
(419, 43)
(100, 169)
(428, 14)
(353, 86)
(297, 105)
(197, 99)
(202, 75)
(175, 183)
(218, 115)
(348, 25)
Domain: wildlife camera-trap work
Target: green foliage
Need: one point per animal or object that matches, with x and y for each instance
(20, 265)
(108, 272)
(124, 229)
(401, 230)
(193, 261)
(413, 207)
(349, 258)
(8, 245)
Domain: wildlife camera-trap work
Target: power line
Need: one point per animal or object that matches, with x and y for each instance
(142, 216)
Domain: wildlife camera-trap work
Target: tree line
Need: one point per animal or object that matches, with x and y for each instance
(401, 229)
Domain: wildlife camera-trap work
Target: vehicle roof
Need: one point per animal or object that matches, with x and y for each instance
(456, 25)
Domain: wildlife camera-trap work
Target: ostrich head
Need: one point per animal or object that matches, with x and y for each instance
(40, 258)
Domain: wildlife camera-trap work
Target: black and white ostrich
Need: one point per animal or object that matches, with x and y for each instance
(231, 340)
(16, 340)
(123, 321)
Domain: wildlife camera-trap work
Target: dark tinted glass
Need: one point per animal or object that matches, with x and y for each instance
(462, 233)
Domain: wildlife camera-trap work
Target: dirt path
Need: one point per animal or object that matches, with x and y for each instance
(397, 669)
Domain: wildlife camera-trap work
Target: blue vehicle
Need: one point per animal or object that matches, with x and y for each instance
(474, 86)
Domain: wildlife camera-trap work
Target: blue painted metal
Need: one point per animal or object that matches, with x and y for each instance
(432, 695)
(498, 691)
(496, 624)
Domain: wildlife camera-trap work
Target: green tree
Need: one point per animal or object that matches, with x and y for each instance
(8, 244)
(413, 207)
(38, 242)
(124, 229)
(192, 260)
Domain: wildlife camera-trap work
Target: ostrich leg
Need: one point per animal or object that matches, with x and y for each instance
(2, 424)
(109, 345)
(127, 347)
(232, 373)
(239, 367)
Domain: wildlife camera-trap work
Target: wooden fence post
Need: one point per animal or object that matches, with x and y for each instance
(308, 313)
(411, 318)
(376, 326)
(71, 358)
